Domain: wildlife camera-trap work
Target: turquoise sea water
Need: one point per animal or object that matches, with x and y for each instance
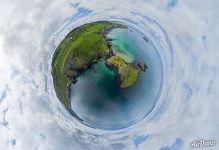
(123, 44)
(98, 100)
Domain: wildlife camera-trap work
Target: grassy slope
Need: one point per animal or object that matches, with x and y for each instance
(128, 74)
(83, 43)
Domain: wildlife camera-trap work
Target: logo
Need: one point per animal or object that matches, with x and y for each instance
(203, 143)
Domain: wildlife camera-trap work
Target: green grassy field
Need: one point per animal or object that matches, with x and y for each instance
(75, 53)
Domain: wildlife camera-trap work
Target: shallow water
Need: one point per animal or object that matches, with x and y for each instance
(98, 100)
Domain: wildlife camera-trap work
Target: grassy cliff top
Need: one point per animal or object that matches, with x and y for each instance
(127, 73)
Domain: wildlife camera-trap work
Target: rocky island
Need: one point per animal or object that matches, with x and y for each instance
(83, 47)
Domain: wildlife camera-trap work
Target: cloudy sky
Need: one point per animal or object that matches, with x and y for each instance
(186, 34)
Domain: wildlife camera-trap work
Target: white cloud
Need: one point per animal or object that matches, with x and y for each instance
(33, 117)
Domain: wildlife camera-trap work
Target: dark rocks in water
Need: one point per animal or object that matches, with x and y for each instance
(73, 80)
(145, 39)
(109, 40)
(142, 66)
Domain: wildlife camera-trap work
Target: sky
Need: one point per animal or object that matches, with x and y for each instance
(186, 36)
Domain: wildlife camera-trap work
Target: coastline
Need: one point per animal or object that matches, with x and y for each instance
(73, 78)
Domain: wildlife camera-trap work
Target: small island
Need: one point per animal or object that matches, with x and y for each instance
(83, 47)
(127, 74)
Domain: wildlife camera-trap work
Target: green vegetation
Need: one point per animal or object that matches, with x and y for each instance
(127, 73)
(81, 48)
